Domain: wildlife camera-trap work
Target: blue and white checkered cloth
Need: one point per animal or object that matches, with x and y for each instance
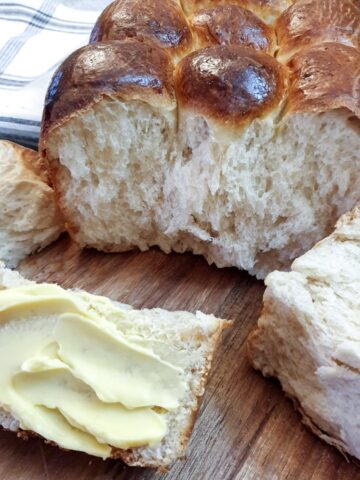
(35, 36)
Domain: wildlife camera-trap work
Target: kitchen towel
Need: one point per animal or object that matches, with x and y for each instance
(35, 37)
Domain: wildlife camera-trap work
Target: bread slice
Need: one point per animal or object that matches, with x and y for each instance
(186, 340)
(29, 217)
(309, 335)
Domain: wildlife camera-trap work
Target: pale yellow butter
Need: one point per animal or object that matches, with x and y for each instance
(115, 362)
(71, 376)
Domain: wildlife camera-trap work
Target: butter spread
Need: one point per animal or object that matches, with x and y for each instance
(69, 374)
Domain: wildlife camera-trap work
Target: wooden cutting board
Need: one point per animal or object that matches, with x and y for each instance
(246, 428)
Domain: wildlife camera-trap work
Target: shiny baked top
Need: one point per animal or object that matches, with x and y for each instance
(158, 21)
(310, 22)
(229, 60)
(325, 77)
(232, 25)
(229, 82)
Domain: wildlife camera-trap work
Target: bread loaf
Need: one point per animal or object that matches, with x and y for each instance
(29, 217)
(186, 340)
(309, 332)
(198, 131)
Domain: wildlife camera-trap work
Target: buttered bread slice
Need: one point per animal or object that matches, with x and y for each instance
(100, 377)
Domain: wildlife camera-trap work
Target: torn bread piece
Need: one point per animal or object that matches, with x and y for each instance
(97, 376)
(308, 335)
(29, 217)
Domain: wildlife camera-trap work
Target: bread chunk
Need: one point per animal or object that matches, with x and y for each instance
(309, 332)
(29, 217)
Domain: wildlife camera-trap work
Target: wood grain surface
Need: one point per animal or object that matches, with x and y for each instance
(246, 428)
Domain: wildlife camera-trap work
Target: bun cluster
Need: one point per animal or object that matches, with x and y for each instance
(230, 61)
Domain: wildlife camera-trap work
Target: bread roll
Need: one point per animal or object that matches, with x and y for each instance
(29, 217)
(232, 25)
(162, 23)
(309, 331)
(223, 151)
(310, 22)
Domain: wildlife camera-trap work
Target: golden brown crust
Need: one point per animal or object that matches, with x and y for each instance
(325, 77)
(310, 22)
(263, 8)
(128, 69)
(162, 23)
(229, 84)
(232, 25)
